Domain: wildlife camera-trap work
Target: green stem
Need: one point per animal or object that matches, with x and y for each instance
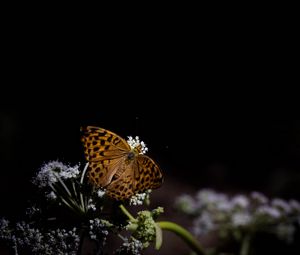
(245, 245)
(184, 234)
(124, 210)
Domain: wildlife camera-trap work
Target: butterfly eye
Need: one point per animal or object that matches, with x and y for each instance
(130, 155)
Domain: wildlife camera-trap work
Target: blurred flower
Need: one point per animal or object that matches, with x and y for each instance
(241, 219)
(281, 205)
(186, 204)
(240, 201)
(286, 232)
(295, 205)
(203, 224)
(239, 215)
(259, 197)
(49, 172)
(269, 211)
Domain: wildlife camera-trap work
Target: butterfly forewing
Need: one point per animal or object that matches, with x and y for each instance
(100, 143)
(105, 151)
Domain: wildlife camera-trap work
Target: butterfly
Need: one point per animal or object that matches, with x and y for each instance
(114, 165)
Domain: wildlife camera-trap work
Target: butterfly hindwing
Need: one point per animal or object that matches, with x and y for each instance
(123, 187)
(147, 174)
(101, 172)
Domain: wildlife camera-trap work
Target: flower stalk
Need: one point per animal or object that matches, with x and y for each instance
(184, 234)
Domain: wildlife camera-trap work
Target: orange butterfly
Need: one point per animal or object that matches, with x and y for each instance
(121, 169)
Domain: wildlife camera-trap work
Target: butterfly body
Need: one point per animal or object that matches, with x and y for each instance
(123, 171)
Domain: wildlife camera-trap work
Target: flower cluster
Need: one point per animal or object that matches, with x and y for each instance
(239, 214)
(136, 143)
(50, 173)
(26, 237)
(130, 246)
(66, 187)
(140, 198)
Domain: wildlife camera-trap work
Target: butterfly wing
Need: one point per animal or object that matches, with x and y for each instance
(147, 174)
(123, 187)
(139, 175)
(106, 153)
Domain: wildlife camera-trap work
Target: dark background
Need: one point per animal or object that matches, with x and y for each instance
(228, 148)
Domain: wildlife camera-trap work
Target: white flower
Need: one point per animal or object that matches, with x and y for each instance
(58, 241)
(51, 195)
(134, 246)
(295, 205)
(186, 203)
(31, 211)
(241, 219)
(203, 224)
(91, 205)
(97, 229)
(138, 199)
(268, 211)
(48, 172)
(224, 206)
(285, 232)
(281, 204)
(208, 197)
(259, 197)
(100, 193)
(136, 143)
(240, 201)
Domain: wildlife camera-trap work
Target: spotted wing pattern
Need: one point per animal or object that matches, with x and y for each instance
(110, 167)
(106, 153)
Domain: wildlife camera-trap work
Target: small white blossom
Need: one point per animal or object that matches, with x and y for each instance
(134, 246)
(186, 203)
(285, 232)
(281, 205)
(224, 206)
(208, 197)
(48, 173)
(97, 230)
(241, 219)
(58, 241)
(240, 201)
(203, 224)
(259, 197)
(51, 195)
(135, 143)
(100, 193)
(138, 199)
(31, 211)
(295, 205)
(91, 205)
(268, 211)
